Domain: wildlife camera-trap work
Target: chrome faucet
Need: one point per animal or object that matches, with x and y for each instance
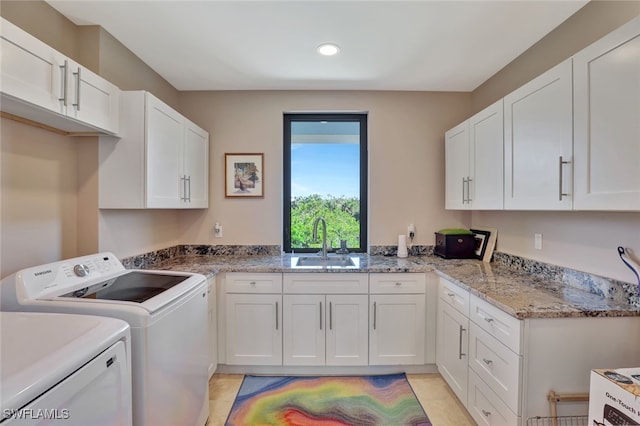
(324, 234)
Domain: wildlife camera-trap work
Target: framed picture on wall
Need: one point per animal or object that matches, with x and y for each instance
(485, 242)
(243, 175)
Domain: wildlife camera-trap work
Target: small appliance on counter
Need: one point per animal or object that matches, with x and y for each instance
(614, 397)
(455, 244)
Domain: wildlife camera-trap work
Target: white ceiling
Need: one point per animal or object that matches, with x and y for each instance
(266, 45)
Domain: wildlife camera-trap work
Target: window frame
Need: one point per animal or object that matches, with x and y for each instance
(288, 118)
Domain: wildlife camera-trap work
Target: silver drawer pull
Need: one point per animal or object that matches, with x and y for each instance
(489, 320)
(487, 361)
(252, 283)
(398, 283)
(450, 294)
(486, 413)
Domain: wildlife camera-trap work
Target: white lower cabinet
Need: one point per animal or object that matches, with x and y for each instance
(325, 329)
(253, 319)
(502, 368)
(451, 352)
(397, 319)
(485, 407)
(325, 319)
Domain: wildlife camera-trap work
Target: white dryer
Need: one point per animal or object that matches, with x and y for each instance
(59, 369)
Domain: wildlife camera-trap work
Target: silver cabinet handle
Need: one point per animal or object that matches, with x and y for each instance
(460, 354)
(277, 316)
(489, 320)
(561, 163)
(330, 317)
(450, 294)
(77, 104)
(320, 315)
(469, 190)
(486, 413)
(184, 188)
(64, 69)
(375, 314)
(189, 187)
(464, 180)
(487, 361)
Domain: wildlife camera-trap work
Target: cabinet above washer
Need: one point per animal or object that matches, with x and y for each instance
(161, 160)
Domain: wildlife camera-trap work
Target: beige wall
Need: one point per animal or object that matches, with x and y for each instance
(38, 196)
(581, 240)
(406, 151)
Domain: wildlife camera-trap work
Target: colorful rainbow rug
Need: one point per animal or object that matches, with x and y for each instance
(386, 400)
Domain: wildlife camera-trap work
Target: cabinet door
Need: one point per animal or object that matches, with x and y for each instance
(397, 329)
(304, 329)
(254, 329)
(607, 122)
(347, 334)
(456, 151)
(452, 345)
(196, 166)
(213, 325)
(91, 98)
(486, 148)
(165, 133)
(538, 138)
(31, 71)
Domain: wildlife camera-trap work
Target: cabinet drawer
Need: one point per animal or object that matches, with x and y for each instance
(326, 283)
(455, 296)
(408, 283)
(497, 365)
(253, 283)
(485, 407)
(497, 323)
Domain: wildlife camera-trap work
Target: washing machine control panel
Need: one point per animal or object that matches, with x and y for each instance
(57, 277)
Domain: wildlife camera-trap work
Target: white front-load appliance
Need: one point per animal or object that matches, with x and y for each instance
(167, 314)
(61, 369)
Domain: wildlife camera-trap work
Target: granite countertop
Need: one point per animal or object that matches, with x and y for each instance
(519, 294)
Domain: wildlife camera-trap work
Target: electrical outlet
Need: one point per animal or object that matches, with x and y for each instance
(411, 231)
(537, 241)
(217, 230)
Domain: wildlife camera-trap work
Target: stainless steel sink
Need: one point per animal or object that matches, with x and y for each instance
(328, 262)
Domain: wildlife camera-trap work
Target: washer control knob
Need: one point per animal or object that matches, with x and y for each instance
(81, 270)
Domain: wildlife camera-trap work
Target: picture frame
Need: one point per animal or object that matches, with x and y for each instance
(485, 242)
(244, 175)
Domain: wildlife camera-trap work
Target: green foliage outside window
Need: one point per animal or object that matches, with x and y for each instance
(342, 216)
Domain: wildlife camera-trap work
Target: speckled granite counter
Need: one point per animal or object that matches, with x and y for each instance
(520, 294)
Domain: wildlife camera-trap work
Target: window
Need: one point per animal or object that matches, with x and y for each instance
(325, 175)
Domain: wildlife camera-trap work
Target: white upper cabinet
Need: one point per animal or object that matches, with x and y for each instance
(474, 158)
(456, 151)
(196, 165)
(538, 140)
(42, 85)
(90, 98)
(160, 161)
(486, 150)
(607, 122)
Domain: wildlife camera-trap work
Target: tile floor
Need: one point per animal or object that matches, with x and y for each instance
(441, 405)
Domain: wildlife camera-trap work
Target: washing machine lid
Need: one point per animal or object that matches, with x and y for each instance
(135, 286)
(38, 350)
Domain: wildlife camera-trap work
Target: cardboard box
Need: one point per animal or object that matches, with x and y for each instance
(614, 397)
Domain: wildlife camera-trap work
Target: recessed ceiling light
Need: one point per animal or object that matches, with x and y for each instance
(328, 49)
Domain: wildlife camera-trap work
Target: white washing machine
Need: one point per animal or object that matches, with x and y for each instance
(59, 369)
(166, 312)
